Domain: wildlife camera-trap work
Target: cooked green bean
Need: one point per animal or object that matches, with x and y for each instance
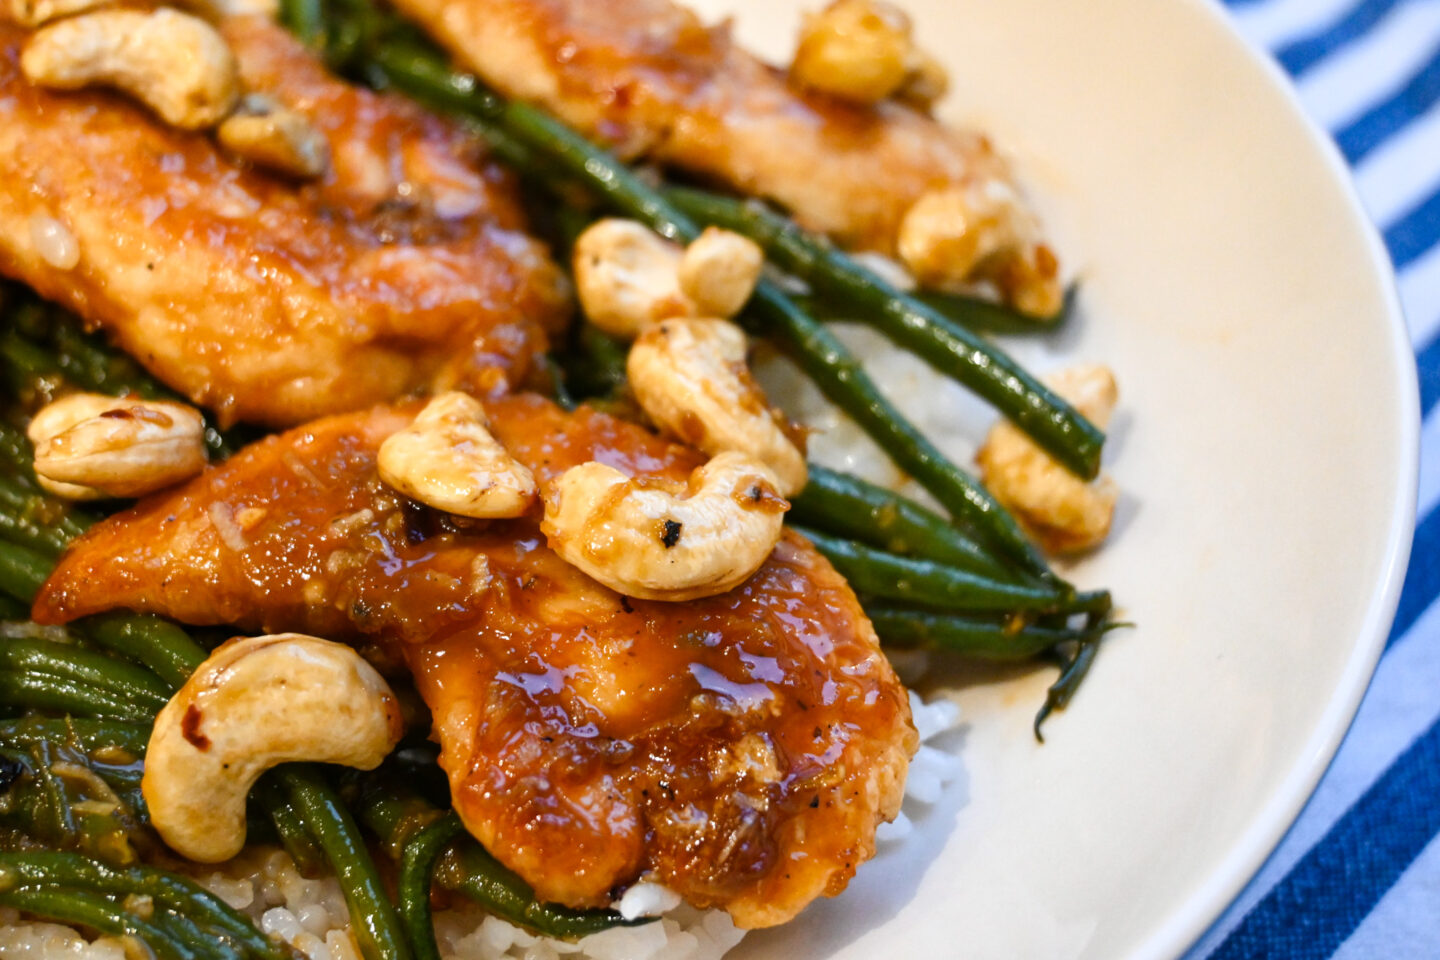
(950, 348)
(158, 644)
(417, 867)
(22, 571)
(89, 735)
(973, 313)
(373, 920)
(395, 814)
(875, 573)
(1072, 674)
(169, 890)
(133, 684)
(847, 506)
(43, 691)
(37, 521)
(988, 638)
(289, 825)
(103, 914)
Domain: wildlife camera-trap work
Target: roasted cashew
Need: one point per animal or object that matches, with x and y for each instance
(690, 377)
(89, 446)
(254, 703)
(627, 277)
(177, 65)
(447, 459)
(981, 230)
(719, 270)
(33, 13)
(266, 133)
(1065, 513)
(664, 540)
(856, 50)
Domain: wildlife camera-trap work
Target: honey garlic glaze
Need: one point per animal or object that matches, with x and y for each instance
(740, 749)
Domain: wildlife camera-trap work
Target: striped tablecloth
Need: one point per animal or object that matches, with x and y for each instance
(1358, 876)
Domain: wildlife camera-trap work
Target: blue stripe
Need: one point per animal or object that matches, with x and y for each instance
(1338, 882)
(1428, 366)
(1411, 236)
(1304, 54)
(1422, 579)
(1386, 118)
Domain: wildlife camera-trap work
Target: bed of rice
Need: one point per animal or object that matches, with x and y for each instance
(311, 915)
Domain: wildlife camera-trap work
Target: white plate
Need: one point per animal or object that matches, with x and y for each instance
(1268, 456)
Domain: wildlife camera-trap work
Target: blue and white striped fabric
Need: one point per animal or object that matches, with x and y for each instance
(1358, 876)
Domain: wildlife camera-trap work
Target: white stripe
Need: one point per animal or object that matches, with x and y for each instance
(1403, 171)
(1280, 22)
(1402, 925)
(1361, 74)
(1399, 707)
(1419, 286)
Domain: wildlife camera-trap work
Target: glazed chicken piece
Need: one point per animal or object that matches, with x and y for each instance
(650, 79)
(262, 298)
(740, 749)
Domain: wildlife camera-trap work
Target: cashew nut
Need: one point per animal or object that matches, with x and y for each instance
(177, 65)
(254, 703)
(856, 50)
(719, 271)
(952, 236)
(1064, 512)
(627, 277)
(665, 540)
(33, 13)
(447, 459)
(690, 377)
(89, 446)
(270, 135)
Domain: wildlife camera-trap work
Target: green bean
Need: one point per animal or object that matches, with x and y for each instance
(99, 913)
(875, 573)
(594, 363)
(1074, 671)
(987, 638)
(837, 373)
(169, 890)
(289, 825)
(22, 571)
(12, 609)
(373, 919)
(847, 506)
(26, 360)
(89, 735)
(15, 449)
(950, 348)
(46, 692)
(973, 313)
(417, 866)
(395, 814)
(160, 645)
(53, 524)
(88, 362)
(126, 681)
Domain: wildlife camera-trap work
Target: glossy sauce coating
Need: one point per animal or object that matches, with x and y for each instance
(740, 749)
(649, 78)
(259, 297)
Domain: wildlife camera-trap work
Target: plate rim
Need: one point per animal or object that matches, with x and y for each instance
(1184, 928)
